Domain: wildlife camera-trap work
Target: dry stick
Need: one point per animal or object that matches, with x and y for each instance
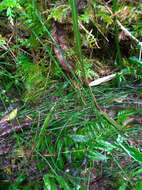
(126, 31)
(102, 80)
(132, 37)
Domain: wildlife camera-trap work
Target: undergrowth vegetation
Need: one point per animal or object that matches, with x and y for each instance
(70, 99)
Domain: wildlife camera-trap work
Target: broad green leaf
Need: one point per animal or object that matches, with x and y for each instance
(79, 138)
(63, 184)
(135, 60)
(138, 185)
(131, 151)
(123, 187)
(104, 145)
(48, 183)
(9, 4)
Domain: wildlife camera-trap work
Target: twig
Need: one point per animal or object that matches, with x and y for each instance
(126, 31)
(102, 80)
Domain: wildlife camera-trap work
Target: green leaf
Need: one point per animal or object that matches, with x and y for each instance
(85, 17)
(138, 185)
(9, 12)
(104, 145)
(9, 4)
(44, 127)
(77, 34)
(2, 41)
(135, 61)
(79, 138)
(49, 183)
(62, 183)
(122, 187)
(96, 156)
(137, 172)
(131, 151)
(123, 115)
(58, 13)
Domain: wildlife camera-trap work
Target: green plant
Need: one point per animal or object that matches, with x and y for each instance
(90, 73)
(78, 133)
(32, 77)
(77, 35)
(58, 13)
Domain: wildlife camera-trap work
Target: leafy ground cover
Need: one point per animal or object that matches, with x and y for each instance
(70, 100)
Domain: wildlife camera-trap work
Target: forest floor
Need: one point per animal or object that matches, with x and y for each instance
(70, 95)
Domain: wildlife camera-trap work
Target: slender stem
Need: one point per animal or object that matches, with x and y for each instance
(118, 52)
(77, 34)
